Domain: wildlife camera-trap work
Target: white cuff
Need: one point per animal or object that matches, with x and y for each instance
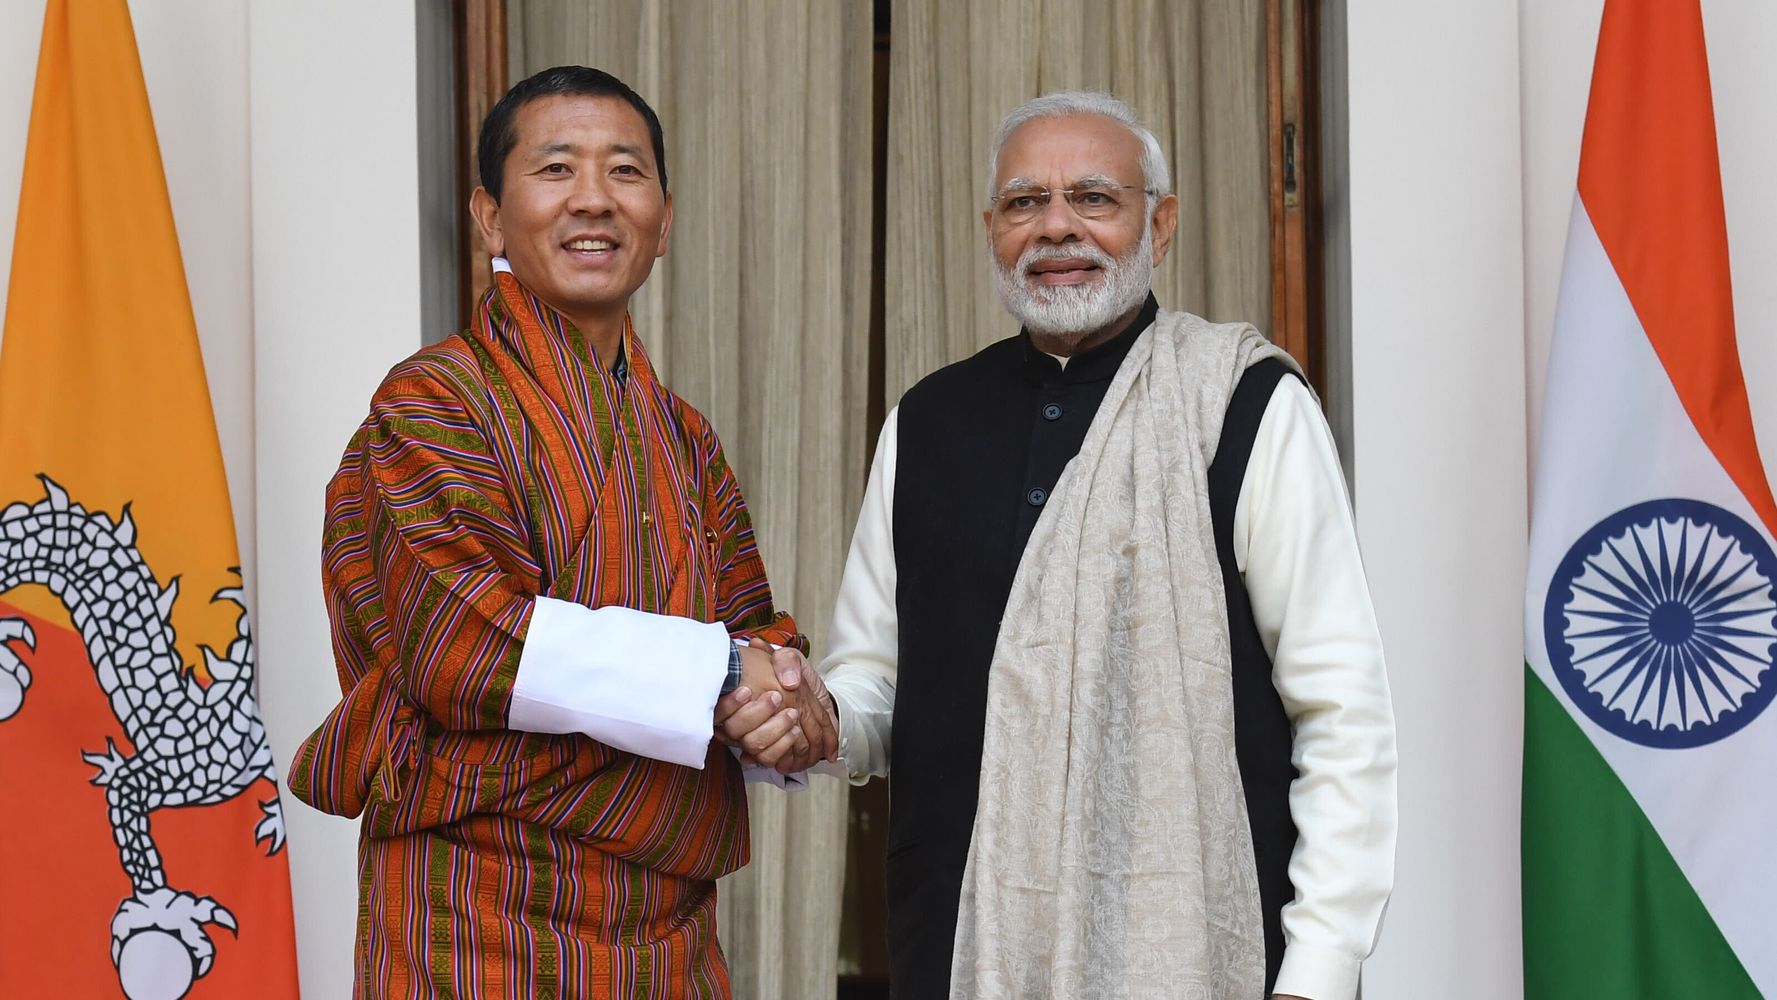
(1317, 973)
(639, 682)
(866, 703)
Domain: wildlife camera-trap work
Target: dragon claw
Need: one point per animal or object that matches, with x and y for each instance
(221, 917)
(15, 677)
(272, 826)
(107, 763)
(12, 629)
(149, 927)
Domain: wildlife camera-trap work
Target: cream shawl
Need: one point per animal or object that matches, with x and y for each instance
(1111, 855)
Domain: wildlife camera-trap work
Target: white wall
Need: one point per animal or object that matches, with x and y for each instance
(336, 302)
(1744, 78)
(1437, 357)
(23, 20)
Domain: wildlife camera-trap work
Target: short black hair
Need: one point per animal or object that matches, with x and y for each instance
(499, 130)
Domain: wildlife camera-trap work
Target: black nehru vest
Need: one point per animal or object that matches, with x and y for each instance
(981, 444)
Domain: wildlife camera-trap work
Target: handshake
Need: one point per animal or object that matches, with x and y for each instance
(781, 715)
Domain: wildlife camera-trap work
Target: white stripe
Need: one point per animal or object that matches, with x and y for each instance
(1615, 434)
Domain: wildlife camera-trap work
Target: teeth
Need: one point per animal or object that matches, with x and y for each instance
(592, 245)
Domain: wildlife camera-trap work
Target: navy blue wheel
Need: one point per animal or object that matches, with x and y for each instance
(1661, 623)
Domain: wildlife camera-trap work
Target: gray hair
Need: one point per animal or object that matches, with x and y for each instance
(1155, 176)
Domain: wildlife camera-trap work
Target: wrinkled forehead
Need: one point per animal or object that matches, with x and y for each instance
(581, 123)
(1056, 152)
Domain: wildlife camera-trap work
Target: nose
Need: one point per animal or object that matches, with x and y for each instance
(591, 195)
(1059, 223)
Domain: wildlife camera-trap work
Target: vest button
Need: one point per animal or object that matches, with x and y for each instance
(1036, 496)
(1052, 411)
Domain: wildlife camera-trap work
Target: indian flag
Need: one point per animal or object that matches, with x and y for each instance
(1650, 746)
(141, 845)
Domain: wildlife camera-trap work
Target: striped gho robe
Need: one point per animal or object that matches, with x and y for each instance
(498, 467)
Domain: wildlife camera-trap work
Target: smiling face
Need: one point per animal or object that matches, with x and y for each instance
(1073, 280)
(582, 215)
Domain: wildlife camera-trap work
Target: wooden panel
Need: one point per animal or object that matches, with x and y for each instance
(1311, 264)
(481, 79)
(1295, 198)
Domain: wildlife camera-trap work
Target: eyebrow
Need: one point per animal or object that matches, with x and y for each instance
(1018, 183)
(552, 148)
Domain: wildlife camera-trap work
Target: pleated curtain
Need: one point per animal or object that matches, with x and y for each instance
(759, 316)
(759, 313)
(1193, 69)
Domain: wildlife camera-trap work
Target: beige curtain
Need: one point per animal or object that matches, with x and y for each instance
(759, 316)
(1193, 69)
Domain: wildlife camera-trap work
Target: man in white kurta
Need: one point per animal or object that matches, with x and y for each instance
(923, 668)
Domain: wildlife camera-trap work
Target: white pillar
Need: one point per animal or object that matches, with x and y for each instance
(336, 302)
(1437, 355)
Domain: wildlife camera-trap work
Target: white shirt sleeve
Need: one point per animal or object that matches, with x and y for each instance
(864, 642)
(1295, 543)
(640, 682)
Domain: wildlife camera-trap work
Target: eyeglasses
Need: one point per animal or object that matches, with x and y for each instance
(1091, 199)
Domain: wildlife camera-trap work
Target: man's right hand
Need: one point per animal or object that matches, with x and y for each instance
(774, 716)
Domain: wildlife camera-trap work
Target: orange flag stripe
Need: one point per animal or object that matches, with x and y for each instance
(101, 378)
(1650, 179)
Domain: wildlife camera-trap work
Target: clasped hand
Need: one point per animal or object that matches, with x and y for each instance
(781, 715)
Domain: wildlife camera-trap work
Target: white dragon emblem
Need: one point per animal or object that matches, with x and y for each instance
(195, 744)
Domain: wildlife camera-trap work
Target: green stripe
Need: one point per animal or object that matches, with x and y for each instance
(442, 953)
(1607, 912)
(539, 911)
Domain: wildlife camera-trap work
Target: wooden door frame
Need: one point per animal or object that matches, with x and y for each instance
(1292, 98)
(482, 77)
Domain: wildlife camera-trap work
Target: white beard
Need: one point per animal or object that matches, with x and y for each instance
(1069, 312)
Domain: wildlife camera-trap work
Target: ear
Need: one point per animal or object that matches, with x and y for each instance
(1165, 225)
(666, 226)
(486, 213)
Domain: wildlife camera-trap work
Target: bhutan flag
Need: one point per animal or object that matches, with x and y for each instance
(141, 852)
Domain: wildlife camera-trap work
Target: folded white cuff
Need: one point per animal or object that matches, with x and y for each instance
(1317, 972)
(639, 682)
(866, 703)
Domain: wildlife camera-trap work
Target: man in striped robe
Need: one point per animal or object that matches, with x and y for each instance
(541, 575)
